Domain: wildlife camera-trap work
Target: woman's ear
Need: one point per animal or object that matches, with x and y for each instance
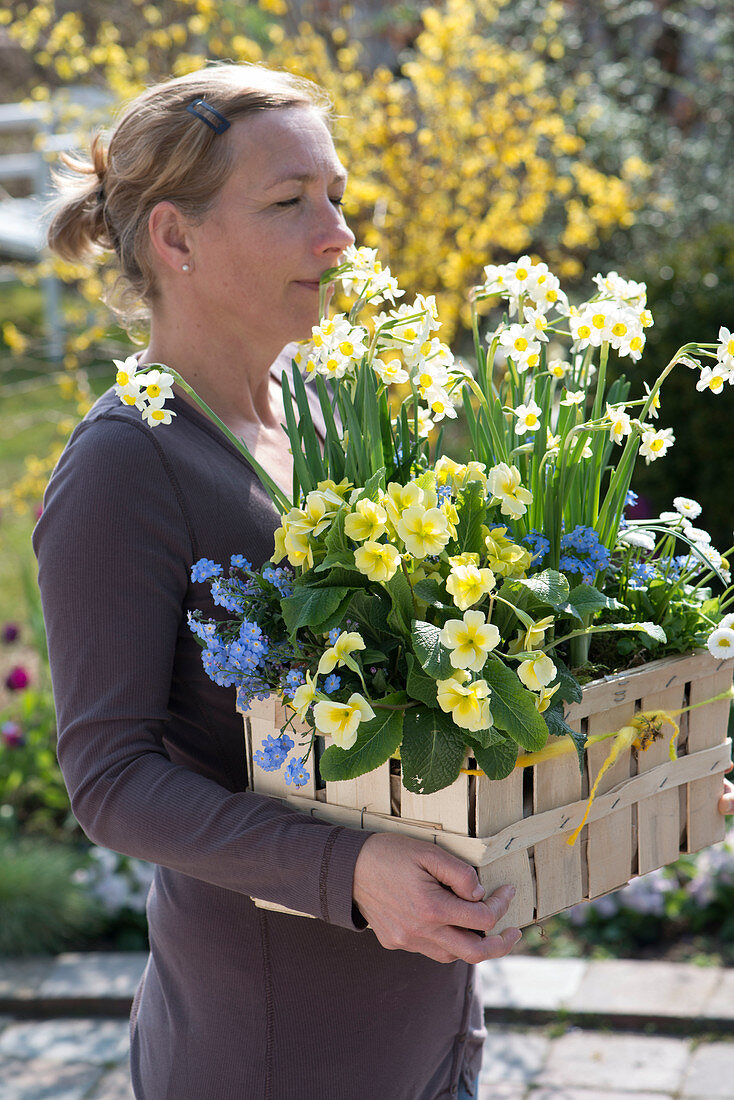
(169, 236)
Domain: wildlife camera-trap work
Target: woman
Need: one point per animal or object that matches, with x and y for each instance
(220, 194)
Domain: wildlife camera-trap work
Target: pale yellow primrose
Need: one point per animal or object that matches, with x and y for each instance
(504, 483)
(304, 696)
(346, 643)
(537, 672)
(467, 584)
(467, 703)
(470, 639)
(379, 561)
(342, 720)
(367, 521)
(423, 530)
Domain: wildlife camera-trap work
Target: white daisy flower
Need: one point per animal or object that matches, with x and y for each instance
(687, 507)
(720, 642)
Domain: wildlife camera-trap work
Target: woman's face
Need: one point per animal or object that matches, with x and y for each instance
(276, 227)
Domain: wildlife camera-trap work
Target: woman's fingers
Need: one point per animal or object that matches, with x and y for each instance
(408, 891)
(726, 802)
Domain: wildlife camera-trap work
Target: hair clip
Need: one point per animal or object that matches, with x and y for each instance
(219, 126)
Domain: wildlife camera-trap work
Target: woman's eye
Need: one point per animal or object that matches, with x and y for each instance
(289, 202)
(338, 202)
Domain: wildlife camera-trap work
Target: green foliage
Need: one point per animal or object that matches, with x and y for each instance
(32, 790)
(376, 742)
(42, 908)
(432, 751)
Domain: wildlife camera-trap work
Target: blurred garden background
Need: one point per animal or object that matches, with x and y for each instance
(596, 137)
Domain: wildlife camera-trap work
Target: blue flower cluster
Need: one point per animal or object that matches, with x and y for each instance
(204, 570)
(274, 752)
(443, 493)
(583, 553)
(281, 578)
(292, 681)
(641, 574)
(331, 683)
(538, 544)
(296, 774)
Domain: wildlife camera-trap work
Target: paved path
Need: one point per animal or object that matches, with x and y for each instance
(557, 1029)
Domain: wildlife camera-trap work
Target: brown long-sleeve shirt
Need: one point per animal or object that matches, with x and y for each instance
(236, 1002)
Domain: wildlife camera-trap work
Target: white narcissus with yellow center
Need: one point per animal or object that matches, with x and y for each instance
(466, 701)
(342, 720)
(471, 639)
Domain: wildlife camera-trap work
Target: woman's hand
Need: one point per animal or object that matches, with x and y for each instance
(726, 802)
(417, 897)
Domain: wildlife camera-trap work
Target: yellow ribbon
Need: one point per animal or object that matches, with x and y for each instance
(644, 729)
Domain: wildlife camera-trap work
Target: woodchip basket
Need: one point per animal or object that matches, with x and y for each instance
(648, 809)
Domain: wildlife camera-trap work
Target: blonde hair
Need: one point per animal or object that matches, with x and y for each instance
(160, 151)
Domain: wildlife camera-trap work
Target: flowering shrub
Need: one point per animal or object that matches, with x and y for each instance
(433, 606)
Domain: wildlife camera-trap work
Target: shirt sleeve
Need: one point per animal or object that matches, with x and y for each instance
(114, 548)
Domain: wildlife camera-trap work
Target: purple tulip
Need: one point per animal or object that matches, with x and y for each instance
(10, 632)
(17, 679)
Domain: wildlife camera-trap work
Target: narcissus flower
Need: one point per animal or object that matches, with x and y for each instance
(620, 423)
(528, 418)
(471, 639)
(342, 720)
(655, 444)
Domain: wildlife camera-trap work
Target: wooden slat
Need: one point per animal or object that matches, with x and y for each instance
(558, 869)
(609, 851)
(658, 817)
(447, 809)
(516, 870)
(366, 792)
(704, 824)
(498, 802)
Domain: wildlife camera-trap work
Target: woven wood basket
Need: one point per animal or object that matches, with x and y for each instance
(647, 810)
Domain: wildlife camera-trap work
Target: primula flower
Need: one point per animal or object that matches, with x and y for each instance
(503, 482)
(720, 642)
(346, 643)
(655, 444)
(304, 696)
(537, 672)
(342, 720)
(466, 702)
(505, 557)
(471, 639)
(467, 584)
(378, 561)
(367, 521)
(423, 530)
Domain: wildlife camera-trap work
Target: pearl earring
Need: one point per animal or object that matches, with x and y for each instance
(185, 267)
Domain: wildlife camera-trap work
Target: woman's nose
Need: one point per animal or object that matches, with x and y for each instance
(335, 235)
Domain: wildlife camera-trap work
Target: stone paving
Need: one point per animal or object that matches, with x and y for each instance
(557, 1029)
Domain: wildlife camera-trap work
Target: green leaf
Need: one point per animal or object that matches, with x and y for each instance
(559, 727)
(343, 558)
(587, 600)
(419, 685)
(471, 510)
(434, 657)
(306, 430)
(338, 576)
(513, 707)
(371, 611)
(570, 689)
(335, 540)
(497, 761)
(549, 588)
(372, 486)
(376, 741)
(484, 739)
(430, 591)
(401, 596)
(312, 607)
(432, 751)
(651, 630)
